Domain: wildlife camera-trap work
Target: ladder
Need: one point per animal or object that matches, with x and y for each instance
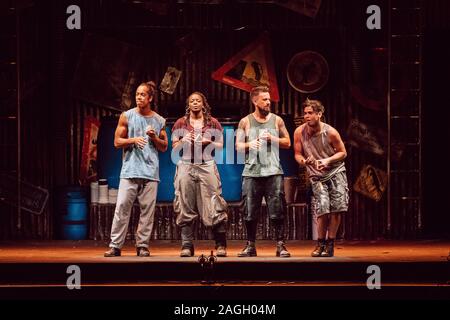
(404, 114)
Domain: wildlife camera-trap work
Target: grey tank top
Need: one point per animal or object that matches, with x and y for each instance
(320, 148)
(265, 161)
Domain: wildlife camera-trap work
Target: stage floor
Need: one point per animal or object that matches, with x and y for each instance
(63, 251)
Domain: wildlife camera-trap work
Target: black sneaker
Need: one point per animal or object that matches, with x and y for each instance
(113, 252)
(142, 252)
(282, 251)
(249, 250)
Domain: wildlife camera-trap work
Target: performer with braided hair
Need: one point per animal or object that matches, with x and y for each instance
(198, 190)
(141, 133)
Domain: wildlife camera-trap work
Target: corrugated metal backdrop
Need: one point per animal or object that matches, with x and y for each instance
(332, 33)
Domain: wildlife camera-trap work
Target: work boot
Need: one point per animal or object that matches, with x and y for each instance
(142, 252)
(187, 251)
(329, 249)
(187, 236)
(281, 250)
(319, 248)
(113, 252)
(221, 251)
(249, 250)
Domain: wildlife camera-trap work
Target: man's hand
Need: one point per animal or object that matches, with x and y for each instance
(310, 161)
(322, 164)
(266, 136)
(254, 144)
(140, 142)
(151, 133)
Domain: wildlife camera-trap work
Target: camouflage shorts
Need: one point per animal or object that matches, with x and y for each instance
(331, 195)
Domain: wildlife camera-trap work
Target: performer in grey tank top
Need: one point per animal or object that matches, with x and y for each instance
(319, 147)
(260, 135)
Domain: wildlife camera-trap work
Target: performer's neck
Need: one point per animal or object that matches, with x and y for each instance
(315, 129)
(196, 115)
(145, 111)
(261, 115)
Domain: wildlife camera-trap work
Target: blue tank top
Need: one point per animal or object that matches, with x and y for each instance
(143, 163)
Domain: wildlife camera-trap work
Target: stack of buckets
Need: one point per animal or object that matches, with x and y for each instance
(100, 193)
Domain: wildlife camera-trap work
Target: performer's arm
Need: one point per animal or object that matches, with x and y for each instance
(213, 136)
(283, 141)
(298, 148)
(188, 136)
(241, 145)
(121, 139)
(160, 141)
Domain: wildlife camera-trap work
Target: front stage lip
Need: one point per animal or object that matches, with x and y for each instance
(28, 263)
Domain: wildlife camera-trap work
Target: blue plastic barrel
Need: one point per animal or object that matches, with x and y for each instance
(109, 158)
(74, 213)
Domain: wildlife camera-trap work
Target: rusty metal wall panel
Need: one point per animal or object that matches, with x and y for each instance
(79, 110)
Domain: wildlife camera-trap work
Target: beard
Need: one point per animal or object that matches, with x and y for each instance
(263, 111)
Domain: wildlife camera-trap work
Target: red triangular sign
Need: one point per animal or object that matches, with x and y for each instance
(251, 67)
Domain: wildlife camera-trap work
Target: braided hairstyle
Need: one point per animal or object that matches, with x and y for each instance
(206, 108)
(151, 86)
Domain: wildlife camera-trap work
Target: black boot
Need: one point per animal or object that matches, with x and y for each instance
(187, 236)
(113, 252)
(249, 250)
(187, 251)
(282, 252)
(319, 248)
(142, 252)
(221, 241)
(279, 229)
(329, 249)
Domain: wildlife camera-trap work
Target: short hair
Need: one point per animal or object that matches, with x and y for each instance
(257, 90)
(316, 105)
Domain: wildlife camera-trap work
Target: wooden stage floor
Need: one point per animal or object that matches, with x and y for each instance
(87, 251)
(37, 269)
